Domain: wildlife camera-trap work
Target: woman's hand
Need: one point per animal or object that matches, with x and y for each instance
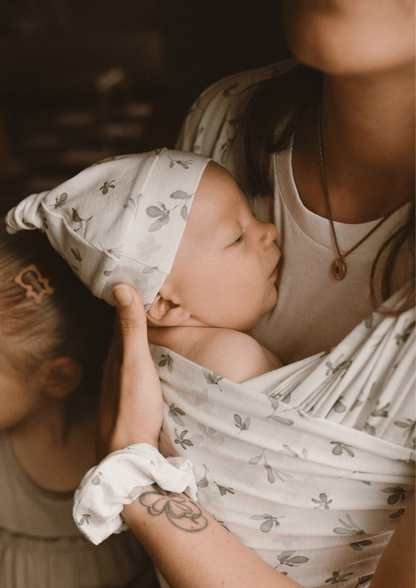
(131, 406)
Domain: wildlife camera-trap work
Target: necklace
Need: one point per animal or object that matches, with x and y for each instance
(338, 267)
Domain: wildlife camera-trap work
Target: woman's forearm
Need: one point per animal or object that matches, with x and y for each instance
(191, 549)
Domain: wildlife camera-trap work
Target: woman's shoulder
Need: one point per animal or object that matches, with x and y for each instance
(216, 109)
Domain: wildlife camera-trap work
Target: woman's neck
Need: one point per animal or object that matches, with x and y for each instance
(368, 143)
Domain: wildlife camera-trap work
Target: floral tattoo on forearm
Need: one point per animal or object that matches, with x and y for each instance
(181, 511)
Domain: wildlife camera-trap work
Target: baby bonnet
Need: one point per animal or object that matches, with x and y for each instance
(120, 220)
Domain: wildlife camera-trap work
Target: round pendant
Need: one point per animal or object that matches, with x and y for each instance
(338, 269)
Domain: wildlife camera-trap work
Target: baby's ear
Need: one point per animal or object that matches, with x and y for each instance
(165, 313)
(62, 376)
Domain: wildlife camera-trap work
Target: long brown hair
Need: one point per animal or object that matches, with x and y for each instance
(278, 103)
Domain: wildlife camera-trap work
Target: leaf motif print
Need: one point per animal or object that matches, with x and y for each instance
(349, 528)
(107, 273)
(180, 195)
(282, 420)
(184, 212)
(76, 253)
(369, 429)
(339, 406)
(77, 219)
(268, 522)
(132, 204)
(166, 360)
(285, 558)
(323, 501)
(337, 577)
(403, 337)
(397, 514)
(339, 448)
(133, 494)
(381, 412)
(114, 252)
(212, 378)
(60, 201)
(84, 519)
(155, 211)
(107, 185)
(363, 580)
(396, 493)
(406, 424)
(358, 545)
(150, 269)
(159, 223)
(255, 460)
(243, 426)
(174, 412)
(183, 163)
(180, 439)
(289, 451)
(224, 490)
(210, 435)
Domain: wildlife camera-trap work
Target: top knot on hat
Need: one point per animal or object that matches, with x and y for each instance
(120, 220)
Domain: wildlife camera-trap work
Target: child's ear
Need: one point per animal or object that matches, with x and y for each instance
(62, 376)
(165, 313)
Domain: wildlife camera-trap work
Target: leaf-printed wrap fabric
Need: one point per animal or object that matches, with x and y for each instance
(311, 465)
(120, 220)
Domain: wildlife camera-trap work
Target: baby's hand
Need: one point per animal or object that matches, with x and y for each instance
(131, 407)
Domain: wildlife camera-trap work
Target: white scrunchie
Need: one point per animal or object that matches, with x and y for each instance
(118, 480)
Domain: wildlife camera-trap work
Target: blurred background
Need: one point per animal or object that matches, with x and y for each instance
(81, 80)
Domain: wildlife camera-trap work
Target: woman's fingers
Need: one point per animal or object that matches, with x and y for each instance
(131, 407)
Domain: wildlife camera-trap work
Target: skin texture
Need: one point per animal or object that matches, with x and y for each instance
(224, 272)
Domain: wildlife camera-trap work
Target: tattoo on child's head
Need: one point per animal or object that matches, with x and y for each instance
(35, 285)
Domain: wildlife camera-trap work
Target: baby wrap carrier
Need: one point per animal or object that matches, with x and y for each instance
(309, 465)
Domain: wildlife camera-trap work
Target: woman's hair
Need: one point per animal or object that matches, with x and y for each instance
(70, 322)
(279, 103)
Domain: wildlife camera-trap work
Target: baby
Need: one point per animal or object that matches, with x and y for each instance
(177, 227)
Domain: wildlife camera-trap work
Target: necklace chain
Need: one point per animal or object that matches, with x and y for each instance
(337, 265)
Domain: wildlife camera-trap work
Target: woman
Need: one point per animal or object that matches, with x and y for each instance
(353, 179)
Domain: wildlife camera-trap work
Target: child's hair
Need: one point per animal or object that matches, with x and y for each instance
(69, 322)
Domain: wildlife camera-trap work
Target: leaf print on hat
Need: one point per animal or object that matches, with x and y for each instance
(147, 248)
(142, 284)
(132, 204)
(84, 519)
(60, 201)
(77, 219)
(114, 252)
(339, 448)
(108, 184)
(76, 253)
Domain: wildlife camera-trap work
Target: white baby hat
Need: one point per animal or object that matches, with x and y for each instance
(120, 220)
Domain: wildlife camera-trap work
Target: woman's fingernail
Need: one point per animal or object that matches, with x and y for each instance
(122, 295)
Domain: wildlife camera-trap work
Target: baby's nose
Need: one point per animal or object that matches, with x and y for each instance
(269, 233)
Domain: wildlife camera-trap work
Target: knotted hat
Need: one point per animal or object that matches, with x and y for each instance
(120, 220)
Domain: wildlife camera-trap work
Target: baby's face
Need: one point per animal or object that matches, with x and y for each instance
(226, 266)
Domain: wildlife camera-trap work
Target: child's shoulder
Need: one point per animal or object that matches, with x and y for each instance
(230, 354)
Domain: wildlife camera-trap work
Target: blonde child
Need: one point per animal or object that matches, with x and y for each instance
(54, 336)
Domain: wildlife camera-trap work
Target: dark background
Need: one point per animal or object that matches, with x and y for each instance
(84, 79)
